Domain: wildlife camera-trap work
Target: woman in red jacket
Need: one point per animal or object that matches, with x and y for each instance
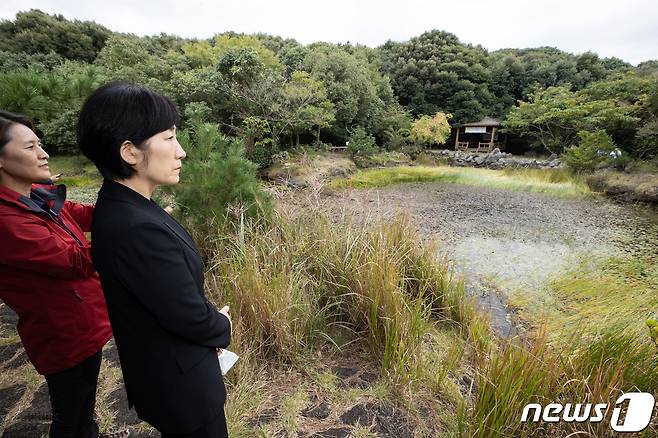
(48, 279)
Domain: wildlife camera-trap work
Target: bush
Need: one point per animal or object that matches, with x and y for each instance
(361, 146)
(197, 112)
(59, 132)
(412, 150)
(294, 284)
(647, 140)
(397, 139)
(258, 142)
(219, 184)
(591, 152)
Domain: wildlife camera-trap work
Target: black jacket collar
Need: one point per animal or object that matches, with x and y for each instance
(118, 192)
(114, 190)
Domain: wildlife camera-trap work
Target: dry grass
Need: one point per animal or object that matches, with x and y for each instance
(305, 167)
(111, 380)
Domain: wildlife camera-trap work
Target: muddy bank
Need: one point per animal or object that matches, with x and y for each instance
(626, 187)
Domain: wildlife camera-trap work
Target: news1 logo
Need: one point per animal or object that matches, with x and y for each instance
(638, 413)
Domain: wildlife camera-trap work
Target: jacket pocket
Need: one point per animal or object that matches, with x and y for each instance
(188, 355)
(83, 310)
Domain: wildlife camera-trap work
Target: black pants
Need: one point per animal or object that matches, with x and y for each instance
(73, 398)
(215, 429)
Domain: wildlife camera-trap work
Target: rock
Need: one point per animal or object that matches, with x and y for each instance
(13, 355)
(8, 398)
(35, 420)
(369, 377)
(466, 384)
(336, 432)
(344, 372)
(111, 354)
(388, 421)
(496, 151)
(320, 411)
(552, 157)
(491, 159)
(295, 184)
(8, 316)
(263, 418)
(362, 414)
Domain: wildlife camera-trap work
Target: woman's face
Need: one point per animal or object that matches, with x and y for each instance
(23, 160)
(163, 159)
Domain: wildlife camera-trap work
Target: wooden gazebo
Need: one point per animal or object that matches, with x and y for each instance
(482, 136)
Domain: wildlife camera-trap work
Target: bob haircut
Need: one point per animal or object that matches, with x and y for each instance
(6, 120)
(119, 112)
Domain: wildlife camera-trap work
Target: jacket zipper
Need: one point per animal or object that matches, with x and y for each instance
(58, 220)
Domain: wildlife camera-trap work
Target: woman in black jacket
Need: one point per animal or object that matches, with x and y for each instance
(167, 333)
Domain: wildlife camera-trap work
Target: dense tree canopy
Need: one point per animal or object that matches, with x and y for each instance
(36, 32)
(553, 117)
(435, 72)
(274, 92)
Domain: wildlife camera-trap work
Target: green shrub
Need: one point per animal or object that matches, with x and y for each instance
(647, 140)
(59, 132)
(591, 152)
(361, 147)
(396, 139)
(257, 137)
(197, 112)
(218, 183)
(412, 150)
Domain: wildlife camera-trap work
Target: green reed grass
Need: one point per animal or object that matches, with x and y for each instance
(291, 282)
(551, 181)
(593, 347)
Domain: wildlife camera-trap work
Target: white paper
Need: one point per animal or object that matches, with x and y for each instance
(226, 360)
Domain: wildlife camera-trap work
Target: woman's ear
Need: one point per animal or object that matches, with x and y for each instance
(129, 153)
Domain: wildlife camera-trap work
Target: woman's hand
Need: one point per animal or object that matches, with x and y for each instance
(224, 312)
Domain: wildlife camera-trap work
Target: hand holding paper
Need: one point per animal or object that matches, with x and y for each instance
(226, 360)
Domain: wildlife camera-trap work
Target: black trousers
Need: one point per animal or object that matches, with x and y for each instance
(73, 398)
(215, 429)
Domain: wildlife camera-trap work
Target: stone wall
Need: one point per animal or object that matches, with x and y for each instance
(494, 160)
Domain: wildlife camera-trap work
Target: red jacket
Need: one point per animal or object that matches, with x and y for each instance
(48, 279)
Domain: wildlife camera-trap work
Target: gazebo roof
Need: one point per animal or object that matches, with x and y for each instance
(487, 121)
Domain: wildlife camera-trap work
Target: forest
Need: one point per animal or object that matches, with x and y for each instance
(273, 93)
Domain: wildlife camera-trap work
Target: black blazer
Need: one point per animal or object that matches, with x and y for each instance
(165, 329)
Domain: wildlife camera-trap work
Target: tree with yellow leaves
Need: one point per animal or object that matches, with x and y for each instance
(431, 130)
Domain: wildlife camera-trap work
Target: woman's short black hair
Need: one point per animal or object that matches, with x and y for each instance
(6, 120)
(119, 112)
